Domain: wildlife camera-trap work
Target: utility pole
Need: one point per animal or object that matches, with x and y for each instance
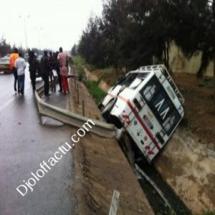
(25, 17)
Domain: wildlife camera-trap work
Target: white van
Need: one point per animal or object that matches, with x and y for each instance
(147, 103)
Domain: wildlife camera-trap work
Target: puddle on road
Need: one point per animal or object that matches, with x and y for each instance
(47, 121)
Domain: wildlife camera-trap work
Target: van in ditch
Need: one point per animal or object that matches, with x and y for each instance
(147, 104)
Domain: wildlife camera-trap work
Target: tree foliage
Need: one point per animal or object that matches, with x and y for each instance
(132, 32)
(4, 47)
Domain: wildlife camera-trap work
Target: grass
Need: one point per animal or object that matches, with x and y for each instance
(95, 91)
(80, 63)
(92, 86)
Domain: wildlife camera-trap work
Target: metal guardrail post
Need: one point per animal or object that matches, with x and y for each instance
(77, 89)
(83, 108)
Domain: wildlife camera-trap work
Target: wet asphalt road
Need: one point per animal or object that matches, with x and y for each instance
(24, 144)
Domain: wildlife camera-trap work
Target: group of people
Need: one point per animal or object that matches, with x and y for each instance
(45, 68)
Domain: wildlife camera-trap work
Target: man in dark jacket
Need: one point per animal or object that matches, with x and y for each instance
(57, 69)
(33, 68)
(45, 68)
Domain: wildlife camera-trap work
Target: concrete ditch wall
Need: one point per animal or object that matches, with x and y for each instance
(179, 63)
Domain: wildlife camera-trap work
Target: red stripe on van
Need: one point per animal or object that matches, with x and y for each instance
(139, 120)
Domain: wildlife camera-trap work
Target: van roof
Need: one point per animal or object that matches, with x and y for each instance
(146, 69)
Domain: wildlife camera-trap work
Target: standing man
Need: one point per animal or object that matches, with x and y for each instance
(20, 65)
(33, 68)
(13, 56)
(63, 62)
(57, 69)
(45, 68)
(51, 74)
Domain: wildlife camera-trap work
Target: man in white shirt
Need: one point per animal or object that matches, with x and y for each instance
(20, 65)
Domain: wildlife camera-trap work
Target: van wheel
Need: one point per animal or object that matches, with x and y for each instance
(101, 107)
(114, 120)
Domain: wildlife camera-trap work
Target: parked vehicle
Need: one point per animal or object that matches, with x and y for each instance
(5, 64)
(147, 103)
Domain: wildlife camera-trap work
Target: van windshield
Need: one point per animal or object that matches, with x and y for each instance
(138, 80)
(129, 79)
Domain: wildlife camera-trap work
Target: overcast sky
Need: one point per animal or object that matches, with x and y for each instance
(48, 23)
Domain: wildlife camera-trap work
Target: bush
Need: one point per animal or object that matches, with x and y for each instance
(95, 91)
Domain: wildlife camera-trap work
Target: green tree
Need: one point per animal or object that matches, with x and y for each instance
(5, 48)
(131, 32)
(91, 45)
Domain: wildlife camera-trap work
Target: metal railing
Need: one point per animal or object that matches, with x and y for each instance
(102, 129)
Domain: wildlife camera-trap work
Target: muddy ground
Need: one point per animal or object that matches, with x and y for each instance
(189, 167)
(199, 107)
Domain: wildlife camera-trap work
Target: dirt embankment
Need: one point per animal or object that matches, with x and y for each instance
(102, 168)
(189, 167)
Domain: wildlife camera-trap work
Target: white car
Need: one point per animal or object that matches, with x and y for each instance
(5, 64)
